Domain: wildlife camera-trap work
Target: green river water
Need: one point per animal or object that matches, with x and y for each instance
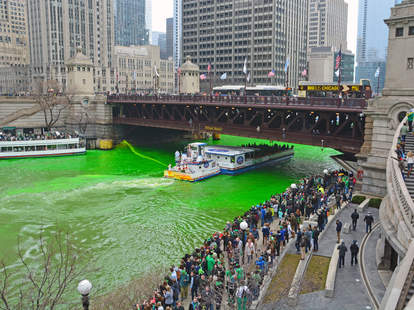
(117, 205)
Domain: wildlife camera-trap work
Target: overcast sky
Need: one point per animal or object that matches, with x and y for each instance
(162, 9)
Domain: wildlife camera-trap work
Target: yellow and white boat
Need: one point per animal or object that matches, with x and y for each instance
(192, 166)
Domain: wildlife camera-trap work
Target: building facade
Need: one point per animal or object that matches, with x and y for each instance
(266, 32)
(177, 32)
(130, 22)
(57, 28)
(328, 22)
(169, 31)
(141, 70)
(322, 61)
(14, 47)
(371, 40)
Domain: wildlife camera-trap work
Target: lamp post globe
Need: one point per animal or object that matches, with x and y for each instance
(326, 171)
(84, 288)
(244, 225)
(293, 186)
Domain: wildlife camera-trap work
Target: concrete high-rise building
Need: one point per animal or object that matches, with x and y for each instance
(14, 48)
(266, 32)
(58, 28)
(372, 40)
(177, 31)
(130, 22)
(328, 22)
(322, 61)
(169, 31)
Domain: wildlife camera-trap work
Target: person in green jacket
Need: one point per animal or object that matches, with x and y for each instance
(210, 264)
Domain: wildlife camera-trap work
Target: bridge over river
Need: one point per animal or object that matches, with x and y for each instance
(326, 122)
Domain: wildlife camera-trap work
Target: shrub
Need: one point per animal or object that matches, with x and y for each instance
(358, 199)
(374, 203)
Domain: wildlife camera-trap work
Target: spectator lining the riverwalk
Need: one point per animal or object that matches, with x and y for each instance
(30, 137)
(216, 272)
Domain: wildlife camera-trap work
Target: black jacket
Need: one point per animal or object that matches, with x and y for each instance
(354, 248)
(342, 250)
(355, 216)
(369, 219)
(339, 226)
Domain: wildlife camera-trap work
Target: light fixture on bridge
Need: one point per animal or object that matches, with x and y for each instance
(268, 110)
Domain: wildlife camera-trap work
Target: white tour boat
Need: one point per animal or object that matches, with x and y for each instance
(41, 148)
(235, 160)
(202, 161)
(192, 166)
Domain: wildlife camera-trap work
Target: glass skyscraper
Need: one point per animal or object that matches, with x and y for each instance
(372, 40)
(130, 23)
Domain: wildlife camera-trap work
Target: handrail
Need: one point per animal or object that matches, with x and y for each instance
(398, 187)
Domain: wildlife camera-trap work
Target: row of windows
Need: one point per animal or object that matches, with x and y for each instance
(399, 31)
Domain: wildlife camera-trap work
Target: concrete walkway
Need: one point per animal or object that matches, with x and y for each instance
(350, 292)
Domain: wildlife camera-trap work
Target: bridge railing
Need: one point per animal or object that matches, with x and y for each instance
(269, 100)
(397, 219)
(396, 185)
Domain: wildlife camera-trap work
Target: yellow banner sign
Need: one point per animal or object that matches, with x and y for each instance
(213, 128)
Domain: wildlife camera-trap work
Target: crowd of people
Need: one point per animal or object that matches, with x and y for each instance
(9, 136)
(266, 149)
(230, 266)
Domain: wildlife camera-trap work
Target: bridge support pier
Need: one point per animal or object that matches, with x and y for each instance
(382, 118)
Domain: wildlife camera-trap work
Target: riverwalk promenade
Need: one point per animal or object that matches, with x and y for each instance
(350, 291)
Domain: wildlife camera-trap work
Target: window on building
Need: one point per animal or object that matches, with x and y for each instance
(411, 31)
(399, 32)
(410, 63)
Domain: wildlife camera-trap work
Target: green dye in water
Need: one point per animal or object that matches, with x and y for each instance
(118, 206)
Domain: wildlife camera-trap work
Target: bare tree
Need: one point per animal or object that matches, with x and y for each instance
(46, 280)
(52, 102)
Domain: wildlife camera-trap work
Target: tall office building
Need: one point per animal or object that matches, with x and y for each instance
(148, 19)
(155, 37)
(130, 22)
(328, 21)
(372, 40)
(162, 43)
(170, 37)
(267, 32)
(177, 32)
(57, 28)
(14, 49)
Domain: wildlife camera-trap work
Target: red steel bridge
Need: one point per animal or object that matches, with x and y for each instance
(326, 122)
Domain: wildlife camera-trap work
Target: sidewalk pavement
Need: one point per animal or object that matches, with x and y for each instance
(350, 292)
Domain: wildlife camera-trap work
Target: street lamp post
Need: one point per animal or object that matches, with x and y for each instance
(84, 288)
(243, 227)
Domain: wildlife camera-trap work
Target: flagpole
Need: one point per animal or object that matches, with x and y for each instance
(209, 73)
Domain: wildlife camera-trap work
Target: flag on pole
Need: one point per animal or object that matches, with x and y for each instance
(304, 72)
(223, 76)
(337, 73)
(245, 66)
(179, 71)
(203, 76)
(287, 64)
(338, 60)
(377, 73)
(135, 76)
(156, 71)
(248, 78)
(209, 67)
(271, 74)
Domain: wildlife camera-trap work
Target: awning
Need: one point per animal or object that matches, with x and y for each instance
(9, 128)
